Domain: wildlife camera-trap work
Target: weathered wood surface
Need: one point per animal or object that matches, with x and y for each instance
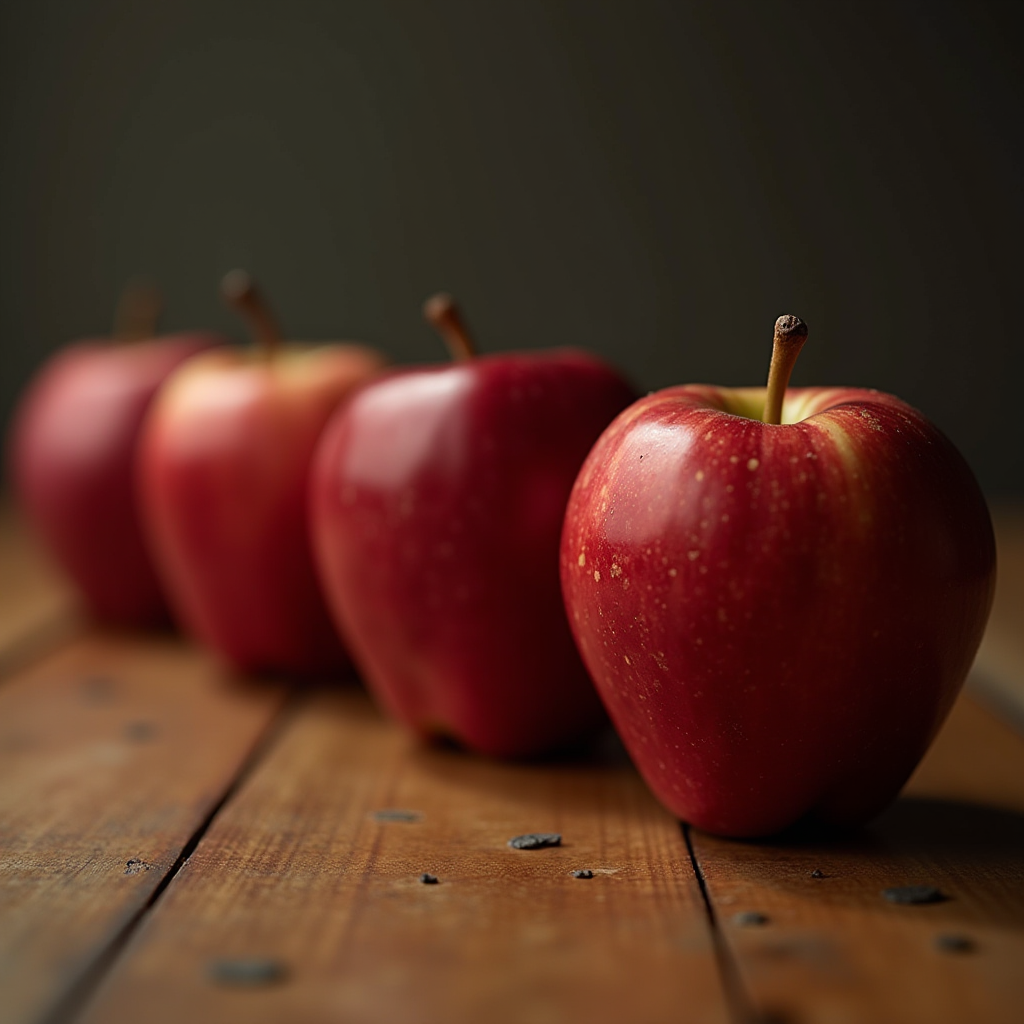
(301, 871)
(298, 902)
(833, 949)
(113, 751)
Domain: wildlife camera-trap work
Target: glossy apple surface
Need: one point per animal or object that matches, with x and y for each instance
(73, 451)
(778, 617)
(223, 477)
(438, 497)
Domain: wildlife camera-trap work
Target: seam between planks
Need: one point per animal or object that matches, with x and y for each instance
(77, 997)
(740, 1008)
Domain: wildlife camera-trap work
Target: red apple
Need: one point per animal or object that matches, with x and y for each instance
(438, 497)
(778, 615)
(224, 478)
(73, 451)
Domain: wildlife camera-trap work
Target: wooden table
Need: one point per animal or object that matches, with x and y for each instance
(177, 845)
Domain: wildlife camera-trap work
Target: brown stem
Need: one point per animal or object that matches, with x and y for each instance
(240, 292)
(790, 335)
(137, 312)
(444, 316)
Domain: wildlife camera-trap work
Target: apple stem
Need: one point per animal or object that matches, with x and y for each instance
(138, 311)
(241, 294)
(444, 316)
(790, 335)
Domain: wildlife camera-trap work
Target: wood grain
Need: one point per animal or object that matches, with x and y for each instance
(113, 750)
(301, 904)
(832, 949)
(299, 871)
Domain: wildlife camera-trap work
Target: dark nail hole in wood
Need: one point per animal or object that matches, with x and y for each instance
(749, 919)
(535, 840)
(428, 879)
(140, 732)
(910, 895)
(583, 873)
(394, 814)
(247, 973)
(135, 866)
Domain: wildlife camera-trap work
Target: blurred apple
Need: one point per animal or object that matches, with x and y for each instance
(73, 449)
(438, 497)
(224, 480)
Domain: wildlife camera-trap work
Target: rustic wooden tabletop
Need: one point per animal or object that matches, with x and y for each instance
(178, 845)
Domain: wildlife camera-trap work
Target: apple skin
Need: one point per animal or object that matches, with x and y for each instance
(778, 618)
(223, 476)
(72, 452)
(438, 499)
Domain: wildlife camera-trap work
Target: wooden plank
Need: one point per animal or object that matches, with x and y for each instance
(37, 607)
(998, 678)
(832, 949)
(298, 874)
(113, 751)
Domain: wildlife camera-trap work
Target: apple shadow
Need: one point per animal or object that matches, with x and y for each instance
(294, 684)
(599, 749)
(951, 829)
(583, 775)
(169, 637)
(918, 826)
(973, 853)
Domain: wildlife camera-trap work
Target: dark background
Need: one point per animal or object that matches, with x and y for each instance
(655, 180)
